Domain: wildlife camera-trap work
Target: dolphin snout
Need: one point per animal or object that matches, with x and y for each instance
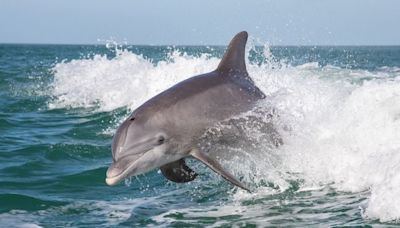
(113, 171)
(112, 174)
(122, 168)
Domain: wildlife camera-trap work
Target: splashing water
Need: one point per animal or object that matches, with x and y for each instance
(126, 80)
(339, 126)
(337, 110)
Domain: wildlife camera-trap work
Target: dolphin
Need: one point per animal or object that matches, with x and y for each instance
(166, 129)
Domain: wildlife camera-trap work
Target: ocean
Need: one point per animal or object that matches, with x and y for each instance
(336, 108)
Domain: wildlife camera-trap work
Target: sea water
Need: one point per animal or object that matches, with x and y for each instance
(337, 110)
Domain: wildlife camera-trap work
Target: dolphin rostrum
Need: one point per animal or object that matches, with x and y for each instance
(166, 129)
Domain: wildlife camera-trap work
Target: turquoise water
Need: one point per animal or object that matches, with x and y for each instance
(338, 113)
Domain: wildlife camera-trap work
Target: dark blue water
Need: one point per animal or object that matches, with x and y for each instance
(60, 105)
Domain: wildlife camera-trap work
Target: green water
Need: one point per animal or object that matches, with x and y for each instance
(54, 152)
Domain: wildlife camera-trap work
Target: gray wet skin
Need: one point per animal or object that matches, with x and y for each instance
(166, 128)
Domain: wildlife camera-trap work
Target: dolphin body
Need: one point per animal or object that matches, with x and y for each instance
(166, 129)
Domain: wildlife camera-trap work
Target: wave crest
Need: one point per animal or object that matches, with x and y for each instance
(338, 125)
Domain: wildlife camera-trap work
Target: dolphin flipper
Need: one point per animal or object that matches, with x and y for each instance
(178, 171)
(216, 167)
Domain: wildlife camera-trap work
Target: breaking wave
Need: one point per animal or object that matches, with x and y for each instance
(340, 127)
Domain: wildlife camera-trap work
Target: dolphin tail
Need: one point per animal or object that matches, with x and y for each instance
(216, 167)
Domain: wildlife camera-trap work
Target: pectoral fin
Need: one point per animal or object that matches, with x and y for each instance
(216, 167)
(178, 171)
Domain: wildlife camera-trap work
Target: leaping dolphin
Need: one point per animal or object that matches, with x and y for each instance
(166, 129)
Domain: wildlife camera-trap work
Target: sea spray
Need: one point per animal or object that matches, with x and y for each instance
(339, 125)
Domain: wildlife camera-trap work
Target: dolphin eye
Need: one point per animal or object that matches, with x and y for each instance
(132, 119)
(161, 140)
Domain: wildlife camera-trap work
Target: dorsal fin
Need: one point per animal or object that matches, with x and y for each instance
(233, 59)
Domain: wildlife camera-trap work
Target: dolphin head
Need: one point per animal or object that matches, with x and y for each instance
(140, 146)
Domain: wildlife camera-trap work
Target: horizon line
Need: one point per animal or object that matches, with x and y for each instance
(204, 45)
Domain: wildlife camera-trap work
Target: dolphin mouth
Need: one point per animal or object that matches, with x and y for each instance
(114, 180)
(115, 173)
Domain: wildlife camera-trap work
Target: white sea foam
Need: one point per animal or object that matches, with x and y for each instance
(337, 128)
(20, 219)
(126, 80)
(111, 213)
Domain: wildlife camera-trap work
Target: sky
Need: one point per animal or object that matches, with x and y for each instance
(205, 22)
